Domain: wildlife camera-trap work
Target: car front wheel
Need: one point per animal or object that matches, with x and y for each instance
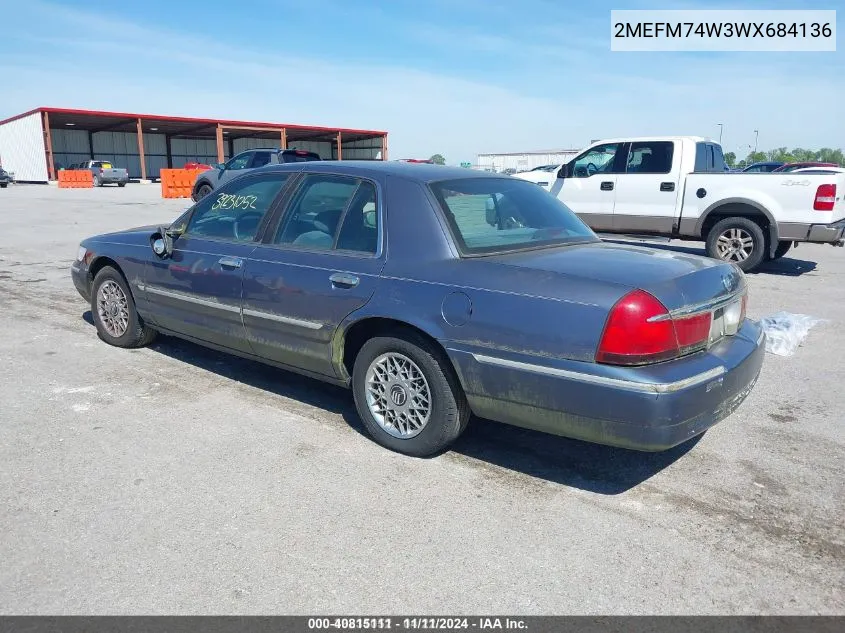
(407, 395)
(737, 240)
(113, 310)
(203, 191)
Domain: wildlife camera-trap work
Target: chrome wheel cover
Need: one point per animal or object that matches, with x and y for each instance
(735, 245)
(398, 395)
(113, 308)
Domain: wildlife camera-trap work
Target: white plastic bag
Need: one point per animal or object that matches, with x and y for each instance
(786, 331)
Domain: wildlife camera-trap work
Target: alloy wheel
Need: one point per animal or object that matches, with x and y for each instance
(113, 308)
(398, 395)
(735, 245)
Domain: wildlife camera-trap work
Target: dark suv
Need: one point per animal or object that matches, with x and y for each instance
(209, 180)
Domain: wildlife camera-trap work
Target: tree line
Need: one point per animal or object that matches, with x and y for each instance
(784, 155)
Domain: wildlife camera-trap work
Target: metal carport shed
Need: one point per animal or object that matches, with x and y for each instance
(36, 144)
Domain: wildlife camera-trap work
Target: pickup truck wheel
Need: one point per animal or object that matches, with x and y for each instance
(407, 395)
(113, 310)
(737, 240)
(782, 249)
(97, 182)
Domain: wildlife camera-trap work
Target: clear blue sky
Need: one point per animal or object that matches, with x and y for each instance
(456, 77)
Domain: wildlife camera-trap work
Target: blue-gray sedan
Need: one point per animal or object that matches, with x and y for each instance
(434, 293)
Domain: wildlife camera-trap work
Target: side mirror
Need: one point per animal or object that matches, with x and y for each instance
(561, 173)
(162, 243)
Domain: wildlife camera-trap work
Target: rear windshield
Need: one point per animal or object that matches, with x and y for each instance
(294, 156)
(494, 215)
(102, 164)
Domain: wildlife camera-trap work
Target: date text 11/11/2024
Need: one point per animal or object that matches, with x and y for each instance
(418, 623)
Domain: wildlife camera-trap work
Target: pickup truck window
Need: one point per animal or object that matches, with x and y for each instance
(261, 159)
(709, 158)
(240, 161)
(650, 157)
(596, 160)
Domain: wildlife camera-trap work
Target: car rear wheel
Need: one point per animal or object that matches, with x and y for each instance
(3, 185)
(97, 182)
(408, 395)
(121, 184)
(737, 240)
(113, 309)
(203, 191)
(782, 249)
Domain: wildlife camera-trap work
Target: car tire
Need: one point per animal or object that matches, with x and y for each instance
(121, 184)
(203, 190)
(412, 365)
(113, 310)
(739, 241)
(96, 181)
(782, 249)
(4, 185)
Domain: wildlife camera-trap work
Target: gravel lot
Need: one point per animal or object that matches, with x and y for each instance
(178, 480)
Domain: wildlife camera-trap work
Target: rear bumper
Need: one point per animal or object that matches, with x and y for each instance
(648, 409)
(819, 233)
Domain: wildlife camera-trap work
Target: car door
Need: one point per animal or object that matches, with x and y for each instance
(648, 188)
(319, 262)
(589, 185)
(196, 291)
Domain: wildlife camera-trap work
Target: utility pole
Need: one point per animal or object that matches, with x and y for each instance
(720, 132)
(756, 134)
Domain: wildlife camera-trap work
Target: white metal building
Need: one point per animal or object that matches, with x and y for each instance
(523, 161)
(36, 144)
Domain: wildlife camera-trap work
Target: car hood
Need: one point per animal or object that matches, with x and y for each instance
(130, 236)
(676, 279)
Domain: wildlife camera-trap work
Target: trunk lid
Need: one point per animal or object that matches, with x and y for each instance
(677, 280)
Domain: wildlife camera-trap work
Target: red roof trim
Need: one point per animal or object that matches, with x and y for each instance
(180, 119)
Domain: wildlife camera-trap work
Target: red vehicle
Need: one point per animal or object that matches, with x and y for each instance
(794, 166)
(196, 166)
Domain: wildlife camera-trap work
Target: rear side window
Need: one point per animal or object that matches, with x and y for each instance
(260, 159)
(709, 158)
(332, 212)
(650, 157)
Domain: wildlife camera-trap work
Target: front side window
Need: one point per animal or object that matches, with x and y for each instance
(650, 157)
(260, 159)
(331, 212)
(489, 215)
(234, 212)
(241, 161)
(596, 160)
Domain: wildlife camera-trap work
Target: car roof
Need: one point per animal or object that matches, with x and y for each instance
(419, 172)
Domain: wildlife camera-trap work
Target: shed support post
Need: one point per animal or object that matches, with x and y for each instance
(339, 146)
(220, 157)
(51, 166)
(169, 150)
(384, 147)
(283, 133)
(91, 144)
(141, 150)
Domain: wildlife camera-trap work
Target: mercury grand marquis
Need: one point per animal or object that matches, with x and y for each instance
(435, 293)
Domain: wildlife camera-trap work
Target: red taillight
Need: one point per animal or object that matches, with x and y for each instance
(640, 330)
(825, 198)
(101, 171)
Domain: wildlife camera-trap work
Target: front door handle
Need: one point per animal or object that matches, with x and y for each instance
(230, 262)
(607, 185)
(667, 186)
(344, 280)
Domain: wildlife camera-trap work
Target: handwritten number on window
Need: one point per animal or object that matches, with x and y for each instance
(231, 201)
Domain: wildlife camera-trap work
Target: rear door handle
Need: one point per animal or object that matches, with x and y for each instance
(607, 185)
(667, 186)
(230, 262)
(344, 280)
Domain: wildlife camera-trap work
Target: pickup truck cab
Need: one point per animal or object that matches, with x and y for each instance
(677, 187)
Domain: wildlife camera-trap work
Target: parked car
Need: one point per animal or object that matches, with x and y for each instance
(676, 187)
(544, 175)
(208, 181)
(793, 166)
(5, 178)
(103, 172)
(762, 168)
(390, 279)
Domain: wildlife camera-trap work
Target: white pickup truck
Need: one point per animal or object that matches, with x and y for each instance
(677, 187)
